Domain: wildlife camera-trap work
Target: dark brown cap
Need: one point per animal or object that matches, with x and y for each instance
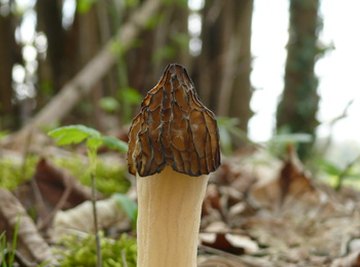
(173, 128)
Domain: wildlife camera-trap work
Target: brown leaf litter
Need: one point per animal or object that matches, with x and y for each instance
(277, 213)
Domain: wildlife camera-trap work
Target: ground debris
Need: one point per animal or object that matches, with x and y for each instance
(258, 211)
(292, 219)
(31, 245)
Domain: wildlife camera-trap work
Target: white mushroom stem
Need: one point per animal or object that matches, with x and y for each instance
(169, 218)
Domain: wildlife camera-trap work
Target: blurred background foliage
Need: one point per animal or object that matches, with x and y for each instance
(44, 44)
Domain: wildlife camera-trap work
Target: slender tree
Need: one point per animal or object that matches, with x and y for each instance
(9, 55)
(242, 89)
(166, 41)
(297, 109)
(225, 63)
(50, 22)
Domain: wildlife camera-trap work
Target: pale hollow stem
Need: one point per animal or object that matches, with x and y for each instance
(169, 218)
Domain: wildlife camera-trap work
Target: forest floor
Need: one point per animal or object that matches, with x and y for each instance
(258, 211)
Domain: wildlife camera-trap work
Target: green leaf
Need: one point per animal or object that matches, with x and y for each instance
(114, 143)
(353, 176)
(83, 6)
(225, 141)
(128, 205)
(329, 167)
(154, 20)
(130, 95)
(80, 251)
(230, 134)
(93, 143)
(131, 3)
(73, 134)
(14, 241)
(292, 138)
(4, 134)
(109, 104)
(181, 39)
(165, 52)
(117, 48)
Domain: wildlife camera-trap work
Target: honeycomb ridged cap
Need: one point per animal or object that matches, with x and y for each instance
(173, 128)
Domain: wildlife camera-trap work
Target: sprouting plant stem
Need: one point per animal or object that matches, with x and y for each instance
(97, 237)
(14, 242)
(3, 249)
(343, 174)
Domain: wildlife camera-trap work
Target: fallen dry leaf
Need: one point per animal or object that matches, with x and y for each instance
(31, 244)
(53, 182)
(216, 261)
(80, 218)
(351, 260)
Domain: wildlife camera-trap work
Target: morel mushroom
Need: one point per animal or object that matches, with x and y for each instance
(173, 146)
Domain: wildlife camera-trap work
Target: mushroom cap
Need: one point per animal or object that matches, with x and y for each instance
(173, 128)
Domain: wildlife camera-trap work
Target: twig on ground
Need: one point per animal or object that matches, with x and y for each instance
(253, 262)
(332, 124)
(58, 207)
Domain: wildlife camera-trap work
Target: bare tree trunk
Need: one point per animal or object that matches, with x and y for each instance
(109, 18)
(62, 57)
(89, 44)
(50, 22)
(242, 89)
(165, 43)
(299, 104)
(209, 68)
(6, 64)
(225, 64)
(9, 55)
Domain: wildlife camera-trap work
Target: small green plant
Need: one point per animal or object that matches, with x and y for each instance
(127, 98)
(338, 175)
(12, 172)
(7, 252)
(75, 134)
(109, 104)
(110, 178)
(3, 134)
(83, 6)
(278, 143)
(129, 206)
(229, 133)
(178, 41)
(81, 251)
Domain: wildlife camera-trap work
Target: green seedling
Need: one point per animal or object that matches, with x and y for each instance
(80, 251)
(7, 255)
(129, 206)
(338, 174)
(76, 134)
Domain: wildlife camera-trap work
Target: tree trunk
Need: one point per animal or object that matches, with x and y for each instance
(242, 89)
(50, 22)
(297, 109)
(89, 45)
(8, 56)
(161, 45)
(209, 67)
(225, 64)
